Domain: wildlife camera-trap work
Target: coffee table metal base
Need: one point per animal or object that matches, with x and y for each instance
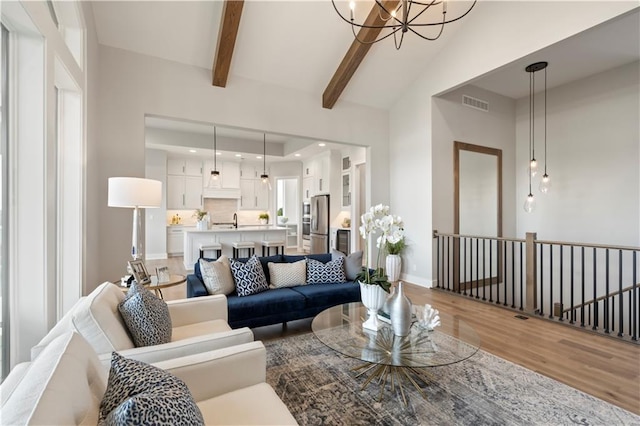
(384, 374)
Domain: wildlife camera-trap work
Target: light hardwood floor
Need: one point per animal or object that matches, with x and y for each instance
(598, 365)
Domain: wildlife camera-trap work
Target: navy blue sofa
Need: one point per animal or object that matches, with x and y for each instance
(281, 304)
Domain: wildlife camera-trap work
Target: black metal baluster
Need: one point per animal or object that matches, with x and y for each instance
(448, 263)
(438, 269)
(572, 311)
(551, 281)
(490, 270)
(595, 291)
(634, 336)
(521, 278)
(477, 268)
(606, 292)
(484, 269)
(513, 273)
(561, 282)
(621, 314)
(541, 304)
(582, 269)
(613, 313)
(464, 267)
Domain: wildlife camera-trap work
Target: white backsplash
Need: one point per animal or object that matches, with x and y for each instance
(220, 210)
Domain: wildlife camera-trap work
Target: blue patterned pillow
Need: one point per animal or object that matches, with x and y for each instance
(330, 272)
(249, 276)
(139, 393)
(146, 317)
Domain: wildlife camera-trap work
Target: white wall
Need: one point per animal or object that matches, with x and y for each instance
(155, 220)
(132, 85)
(593, 137)
(493, 35)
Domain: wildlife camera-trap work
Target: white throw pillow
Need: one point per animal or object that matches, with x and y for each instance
(217, 276)
(288, 274)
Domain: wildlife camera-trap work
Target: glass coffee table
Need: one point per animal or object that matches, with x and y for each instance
(391, 359)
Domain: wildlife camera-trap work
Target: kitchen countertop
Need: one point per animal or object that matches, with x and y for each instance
(245, 228)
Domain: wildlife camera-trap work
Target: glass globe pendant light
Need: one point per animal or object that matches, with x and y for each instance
(545, 182)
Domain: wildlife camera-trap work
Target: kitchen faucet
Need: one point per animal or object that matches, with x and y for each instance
(235, 220)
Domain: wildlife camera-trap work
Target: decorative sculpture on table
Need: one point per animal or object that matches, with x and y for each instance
(428, 317)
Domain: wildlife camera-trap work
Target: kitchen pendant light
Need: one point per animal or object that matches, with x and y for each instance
(264, 176)
(215, 174)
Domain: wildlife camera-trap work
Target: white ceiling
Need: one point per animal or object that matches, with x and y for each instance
(293, 44)
(299, 44)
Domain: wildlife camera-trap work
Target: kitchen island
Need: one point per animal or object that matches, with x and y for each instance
(226, 236)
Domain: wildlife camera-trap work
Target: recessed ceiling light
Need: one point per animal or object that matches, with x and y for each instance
(296, 155)
(218, 153)
(238, 155)
(322, 144)
(193, 150)
(259, 157)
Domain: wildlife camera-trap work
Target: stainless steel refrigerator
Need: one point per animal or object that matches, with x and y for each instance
(320, 224)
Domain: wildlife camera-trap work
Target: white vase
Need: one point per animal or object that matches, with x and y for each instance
(394, 265)
(373, 297)
(263, 221)
(202, 225)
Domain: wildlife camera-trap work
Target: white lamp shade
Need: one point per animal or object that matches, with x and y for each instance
(134, 192)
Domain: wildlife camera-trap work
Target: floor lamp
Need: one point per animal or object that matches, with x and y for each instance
(135, 193)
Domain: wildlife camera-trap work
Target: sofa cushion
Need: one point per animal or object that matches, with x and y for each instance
(146, 316)
(322, 257)
(330, 272)
(217, 276)
(96, 317)
(352, 263)
(249, 277)
(329, 294)
(62, 386)
(139, 393)
(288, 274)
(264, 261)
(272, 302)
(231, 408)
(199, 329)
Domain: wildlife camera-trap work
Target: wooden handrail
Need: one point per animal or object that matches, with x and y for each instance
(599, 298)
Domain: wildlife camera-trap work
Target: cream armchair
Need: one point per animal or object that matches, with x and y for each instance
(65, 384)
(199, 325)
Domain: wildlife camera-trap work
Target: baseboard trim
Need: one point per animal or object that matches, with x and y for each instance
(420, 281)
(159, 256)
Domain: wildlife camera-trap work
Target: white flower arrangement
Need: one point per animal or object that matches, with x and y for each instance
(391, 230)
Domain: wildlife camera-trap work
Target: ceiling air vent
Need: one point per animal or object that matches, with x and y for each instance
(475, 103)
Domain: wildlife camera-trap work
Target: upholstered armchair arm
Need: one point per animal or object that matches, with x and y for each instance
(198, 309)
(210, 374)
(185, 347)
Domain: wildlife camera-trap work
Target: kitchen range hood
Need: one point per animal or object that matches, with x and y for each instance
(221, 193)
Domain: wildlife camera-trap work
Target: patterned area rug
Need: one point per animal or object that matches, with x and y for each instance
(319, 388)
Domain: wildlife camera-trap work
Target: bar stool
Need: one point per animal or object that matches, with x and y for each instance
(239, 245)
(217, 247)
(279, 245)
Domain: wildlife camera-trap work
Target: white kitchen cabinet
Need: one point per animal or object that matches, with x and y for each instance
(229, 175)
(308, 168)
(184, 166)
(254, 195)
(292, 235)
(175, 241)
(184, 192)
(346, 189)
(250, 170)
(322, 174)
(307, 188)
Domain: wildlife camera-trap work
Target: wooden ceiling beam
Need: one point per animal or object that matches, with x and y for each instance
(229, 23)
(355, 55)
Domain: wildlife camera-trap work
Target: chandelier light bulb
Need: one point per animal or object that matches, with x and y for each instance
(545, 184)
(352, 5)
(533, 166)
(530, 203)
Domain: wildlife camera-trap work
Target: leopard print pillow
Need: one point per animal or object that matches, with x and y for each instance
(146, 317)
(139, 393)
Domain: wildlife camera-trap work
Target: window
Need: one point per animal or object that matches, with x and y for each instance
(4, 288)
